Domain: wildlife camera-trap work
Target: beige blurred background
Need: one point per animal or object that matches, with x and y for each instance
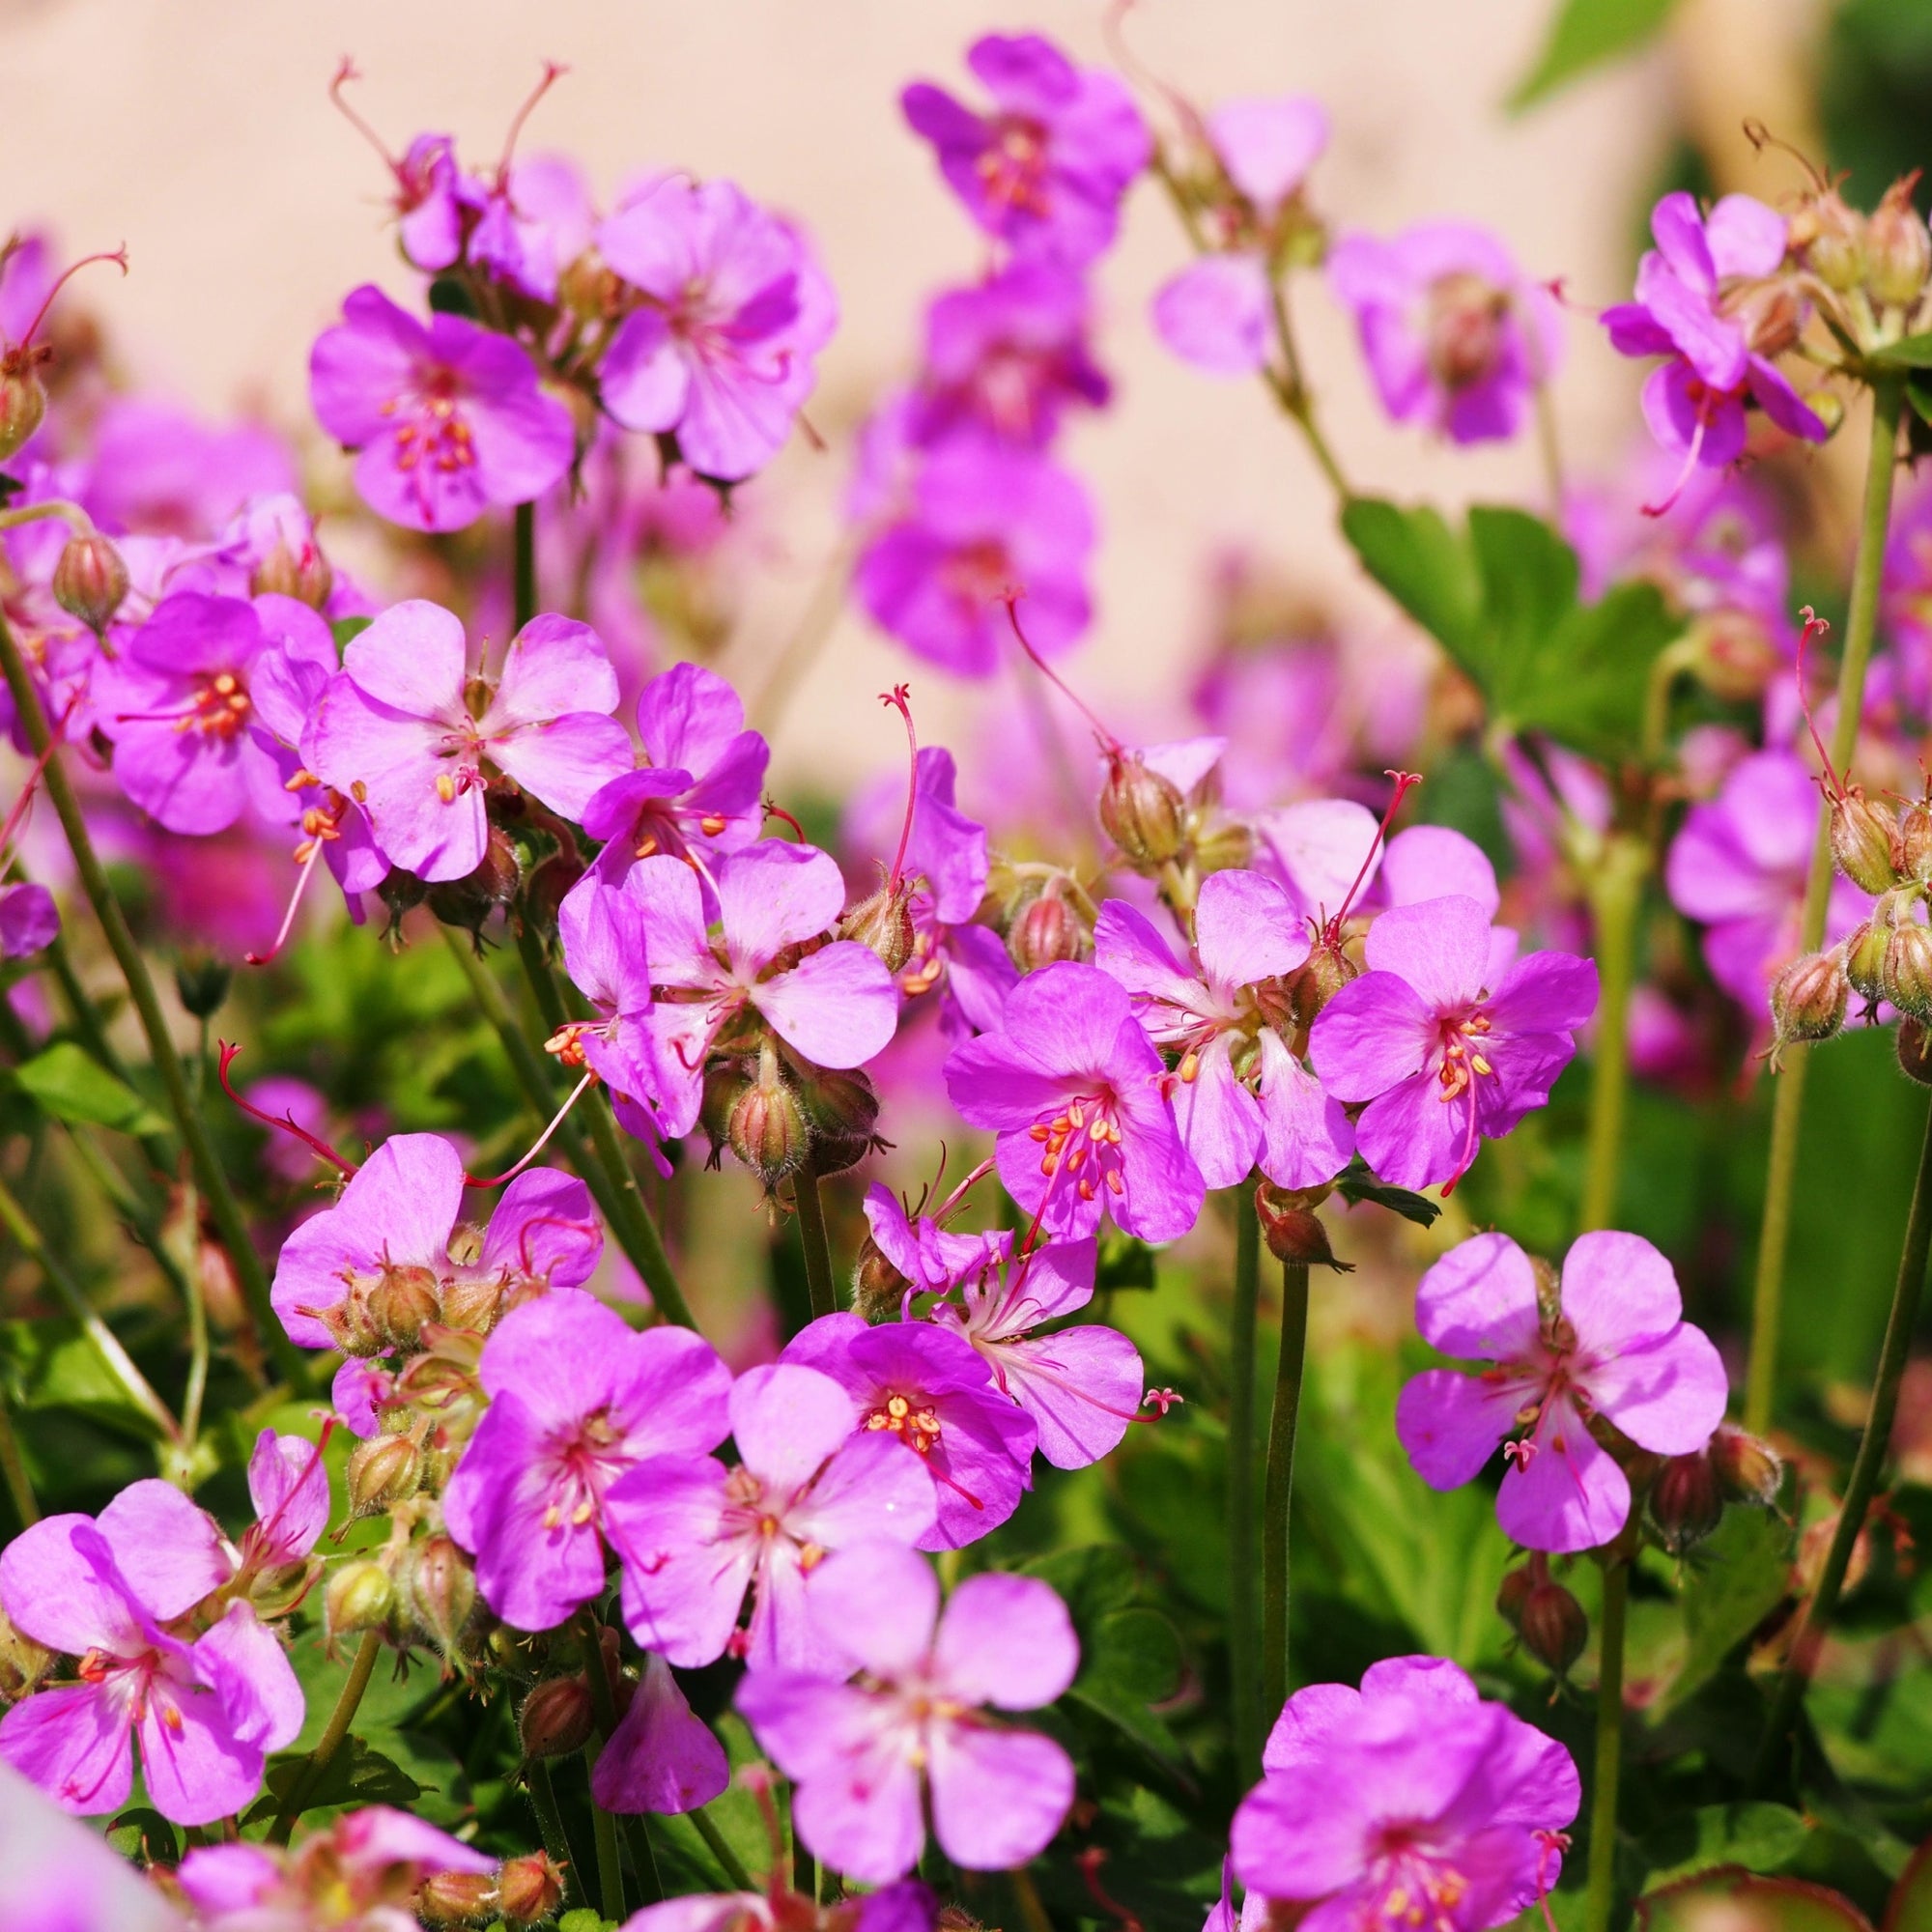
(199, 132)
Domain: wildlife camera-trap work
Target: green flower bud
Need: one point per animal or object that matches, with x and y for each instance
(1865, 842)
(1142, 811)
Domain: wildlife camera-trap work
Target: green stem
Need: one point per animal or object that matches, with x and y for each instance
(1026, 1895)
(330, 1742)
(1616, 895)
(1867, 1467)
(523, 538)
(1292, 391)
(817, 1245)
(603, 1711)
(728, 1860)
(1601, 1889)
(20, 1485)
(1278, 1487)
(1768, 1291)
(118, 1363)
(197, 1322)
(609, 1860)
(94, 882)
(1244, 1609)
(550, 1822)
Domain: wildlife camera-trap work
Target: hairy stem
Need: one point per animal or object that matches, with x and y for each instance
(330, 1742)
(817, 1245)
(1243, 1608)
(550, 1823)
(1867, 1467)
(1278, 1487)
(609, 1860)
(1616, 898)
(208, 1171)
(1600, 1892)
(1787, 1107)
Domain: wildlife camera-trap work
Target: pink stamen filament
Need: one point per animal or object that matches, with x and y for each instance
(33, 778)
(304, 873)
(553, 70)
(286, 1124)
(1404, 783)
(343, 74)
(1815, 626)
(1110, 744)
(119, 255)
(1683, 478)
(577, 1092)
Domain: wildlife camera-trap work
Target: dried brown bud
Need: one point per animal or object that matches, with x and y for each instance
(1865, 841)
(89, 580)
(1687, 1502)
(557, 1718)
(528, 1890)
(1513, 1593)
(1142, 811)
(467, 902)
(1293, 1232)
(1748, 1470)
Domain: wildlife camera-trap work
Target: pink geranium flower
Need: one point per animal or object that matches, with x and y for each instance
(1615, 1344)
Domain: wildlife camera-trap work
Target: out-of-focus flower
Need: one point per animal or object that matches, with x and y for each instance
(59, 1876)
(29, 921)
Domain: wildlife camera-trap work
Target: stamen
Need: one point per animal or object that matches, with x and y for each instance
(551, 71)
(1404, 783)
(1815, 626)
(308, 854)
(1108, 742)
(118, 255)
(343, 74)
(577, 1092)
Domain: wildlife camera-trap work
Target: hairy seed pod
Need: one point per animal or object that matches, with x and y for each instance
(1865, 842)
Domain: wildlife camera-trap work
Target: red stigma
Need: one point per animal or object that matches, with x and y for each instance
(900, 700)
(1404, 783)
(286, 1124)
(1815, 626)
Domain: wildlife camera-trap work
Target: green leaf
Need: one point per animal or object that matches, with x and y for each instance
(585, 1919)
(1742, 1897)
(1766, 1837)
(357, 1775)
(53, 1363)
(1421, 563)
(1124, 1263)
(1738, 1577)
(141, 1833)
(69, 1086)
(345, 629)
(1356, 1183)
(1911, 1905)
(685, 1861)
(1584, 34)
(1912, 351)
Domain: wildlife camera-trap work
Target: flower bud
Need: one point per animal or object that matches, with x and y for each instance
(1047, 932)
(842, 1108)
(442, 1591)
(1293, 1232)
(884, 923)
(23, 1663)
(1914, 840)
(1737, 657)
(1748, 1470)
(878, 1288)
(555, 1719)
(1809, 995)
(1898, 248)
(1142, 811)
(1552, 1626)
(1912, 1043)
(1907, 978)
(381, 1474)
(359, 1597)
(1687, 1502)
(528, 1890)
(400, 1302)
(1317, 981)
(202, 981)
(1864, 952)
(300, 571)
(89, 580)
(468, 902)
(1831, 238)
(457, 1898)
(23, 404)
(767, 1129)
(1864, 842)
(1513, 1593)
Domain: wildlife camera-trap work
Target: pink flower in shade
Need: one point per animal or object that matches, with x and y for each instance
(1456, 337)
(1737, 867)
(702, 784)
(577, 1397)
(191, 748)
(864, 1758)
(1227, 1001)
(1701, 301)
(1409, 1802)
(734, 310)
(984, 524)
(606, 953)
(1076, 1093)
(696, 1538)
(395, 732)
(661, 1757)
(1046, 170)
(1447, 1040)
(29, 921)
(206, 1712)
(446, 419)
(1615, 1346)
(57, 1875)
(400, 1213)
(929, 1391)
(905, 1907)
(932, 1260)
(834, 1006)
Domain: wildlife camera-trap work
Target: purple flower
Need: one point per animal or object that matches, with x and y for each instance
(1005, 359)
(929, 1391)
(448, 418)
(1317, 851)
(531, 221)
(1615, 1346)
(205, 1713)
(834, 1006)
(661, 1757)
(389, 1235)
(60, 1875)
(1703, 301)
(429, 215)
(906, 1906)
(159, 469)
(1075, 1091)
(695, 1538)
(1738, 865)
(931, 1261)
(1446, 1039)
(1410, 1796)
(1046, 170)
(1455, 336)
(720, 352)
(394, 730)
(29, 921)
(606, 953)
(191, 748)
(1218, 313)
(577, 1397)
(984, 524)
(1240, 1096)
(702, 784)
(860, 1756)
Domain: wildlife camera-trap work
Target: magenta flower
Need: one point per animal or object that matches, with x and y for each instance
(446, 419)
(1616, 1345)
(577, 1397)
(1410, 1796)
(58, 1875)
(1737, 867)
(394, 1223)
(696, 1538)
(932, 1393)
(1447, 1041)
(531, 220)
(661, 1758)
(734, 310)
(834, 1006)
(206, 1712)
(1005, 359)
(984, 524)
(906, 1906)
(1075, 1091)
(1225, 1002)
(1316, 850)
(189, 747)
(702, 784)
(606, 953)
(429, 214)
(29, 921)
(1455, 336)
(932, 1261)
(1046, 169)
(1701, 301)
(860, 1757)
(394, 730)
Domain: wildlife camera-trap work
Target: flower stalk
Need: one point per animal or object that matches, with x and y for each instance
(1600, 1892)
(817, 1245)
(1278, 1485)
(330, 1743)
(1244, 1624)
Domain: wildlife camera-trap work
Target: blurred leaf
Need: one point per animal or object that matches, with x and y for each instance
(1157, 1865)
(1910, 351)
(585, 1919)
(69, 1086)
(52, 1363)
(1356, 1183)
(140, 1833)
(1741, 1897)
(345, 629)
(1911, 1905)
(1584, 34)
(1737, 1578)
(1415, 556)
(357, 1775)
(1124, 1263)
(1766, 1837)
